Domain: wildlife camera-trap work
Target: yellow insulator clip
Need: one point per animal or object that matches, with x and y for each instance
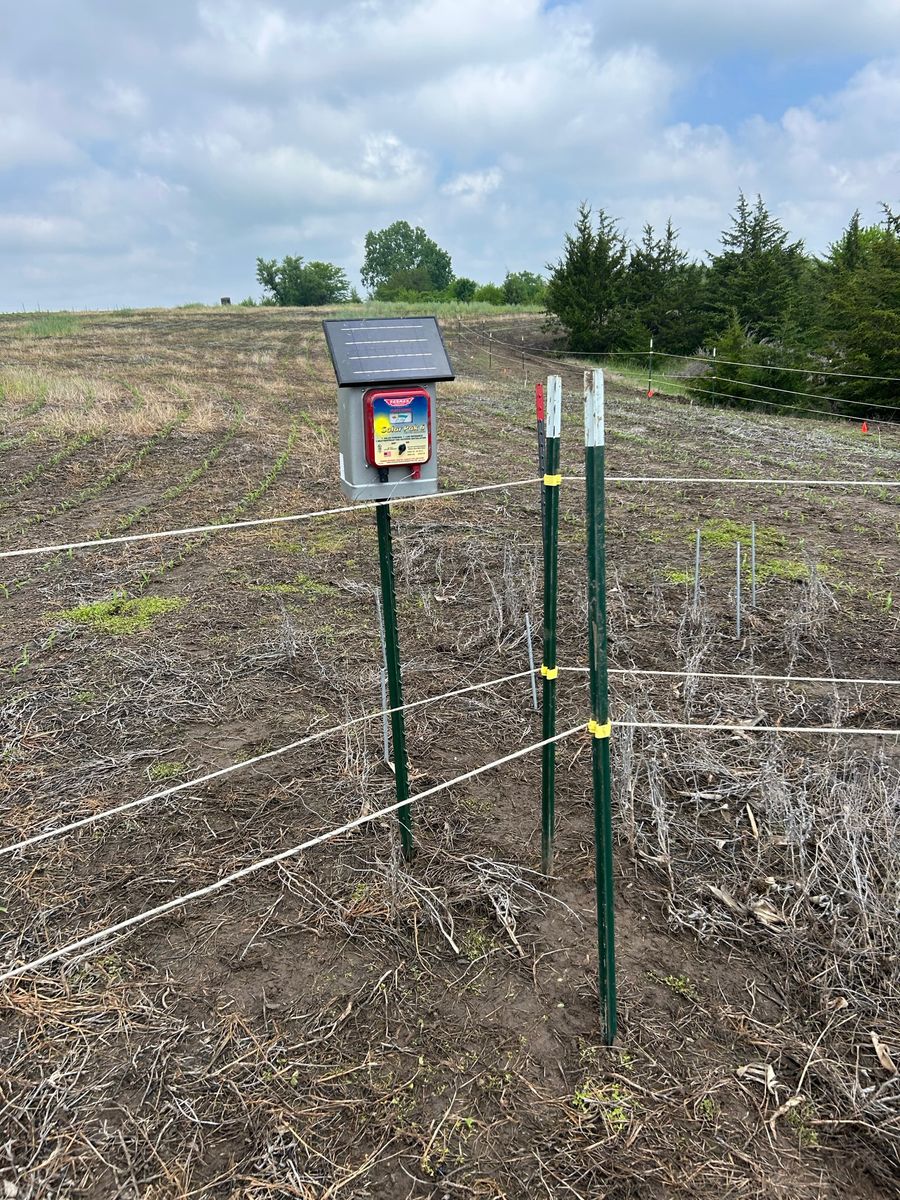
(552, 480)
(549, 672)
(598, 730)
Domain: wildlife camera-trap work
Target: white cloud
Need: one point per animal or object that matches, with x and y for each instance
(472, 187)
(241, 127)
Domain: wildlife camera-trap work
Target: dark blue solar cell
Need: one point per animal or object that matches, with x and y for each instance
(387, 350)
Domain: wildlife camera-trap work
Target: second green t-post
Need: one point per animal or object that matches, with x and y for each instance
(549, 669)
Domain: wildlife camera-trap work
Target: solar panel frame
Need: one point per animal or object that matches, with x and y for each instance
(355, 366)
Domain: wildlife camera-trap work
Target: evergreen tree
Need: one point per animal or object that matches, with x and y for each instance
(586, 288)
(665, 291)
(862, 320)
(758, 274)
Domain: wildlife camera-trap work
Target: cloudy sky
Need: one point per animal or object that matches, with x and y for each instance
(150, 151)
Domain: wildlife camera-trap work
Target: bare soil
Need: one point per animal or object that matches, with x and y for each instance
(348, 1025)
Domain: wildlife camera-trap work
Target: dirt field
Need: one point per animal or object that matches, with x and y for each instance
(347, 1026)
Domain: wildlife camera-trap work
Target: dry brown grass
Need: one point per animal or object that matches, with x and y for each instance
(352, 1027)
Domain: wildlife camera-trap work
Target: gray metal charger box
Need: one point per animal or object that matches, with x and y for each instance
(384, 354)
(359, 481)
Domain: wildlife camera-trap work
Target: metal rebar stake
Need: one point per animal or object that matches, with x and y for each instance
(534, 696)
(753, 564)
(737, 591)
(697, 573)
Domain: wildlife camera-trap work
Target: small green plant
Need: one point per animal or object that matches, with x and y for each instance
(53, 325)
(476, 943)
(676, 576)
(681, 986)
(122, 615)
(707, 1108)
(160, 772)
(723, 533)
(611, 1101)
(800, 1119)
(782, 568)
(21, 663)
(301, 585)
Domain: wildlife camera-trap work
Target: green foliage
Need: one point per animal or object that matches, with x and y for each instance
(52, 325)
(411, 281)
(682, 986)
(398, 249)
(489, 293)
(463, 289)
(674, 575)
(476, 943)
(666, 292)
(298, 284)
(782, 323)
(757, 273)
(724, 533)
(122, 615)
(586, 289)
(444, 309)
(862, 313)
(612, 1102)
(162, 772)
(524, 287)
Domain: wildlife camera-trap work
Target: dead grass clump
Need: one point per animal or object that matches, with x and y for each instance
(761, 838)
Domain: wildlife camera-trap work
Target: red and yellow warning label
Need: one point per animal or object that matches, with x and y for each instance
(398, 428)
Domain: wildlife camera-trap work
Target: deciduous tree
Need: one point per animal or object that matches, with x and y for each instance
(402, 248)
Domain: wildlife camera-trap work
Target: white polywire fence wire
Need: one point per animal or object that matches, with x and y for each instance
(259, 522)
(102, 935)
(790, 408)
(707, 359)
(832, 679)
(726, 362)
(837, 730)
(765, 403)
(794, 409)
(318, 736)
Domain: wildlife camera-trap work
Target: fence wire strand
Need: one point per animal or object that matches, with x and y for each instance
(318, 736)
(102, 935)
(535, 353)
(704, 358)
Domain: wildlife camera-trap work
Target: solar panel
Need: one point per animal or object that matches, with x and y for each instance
(387, 349)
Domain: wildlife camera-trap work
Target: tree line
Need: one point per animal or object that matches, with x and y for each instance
(401, 263)
(777, 317)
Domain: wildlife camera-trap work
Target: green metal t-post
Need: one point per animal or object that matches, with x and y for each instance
(549, 670)
(595, 475)
(395, 680)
